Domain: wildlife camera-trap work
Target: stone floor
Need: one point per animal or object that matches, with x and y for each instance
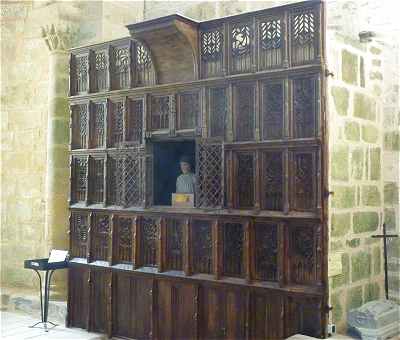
(15, 326)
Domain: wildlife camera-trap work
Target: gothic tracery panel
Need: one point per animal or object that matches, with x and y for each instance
(145, 73)
(79, 180)
(116, 122)
(121, 67)
(271, 44)
(134, 121)
(272, 111)
(273, 181)
(212, 52)
(217, 111)
(266, 251)
(304, 107)
(80, 122)
(244, 180)
(189, 110)
(100, 237)
(81, 74)
(97, 124)
(304, 181)
(244, 112)
(124, 232)
(96, 180)
(79, 234)
(160, 112)
(100, 71)
(241, 47)
(233, 249)
(210, 175)
(149, 241)
(202, 246)
(174, 244)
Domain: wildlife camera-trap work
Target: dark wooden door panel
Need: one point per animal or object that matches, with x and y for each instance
(100, 301)
(177, 310)
(236, 314)
(132, 306)
(212, 313)
(78, 302)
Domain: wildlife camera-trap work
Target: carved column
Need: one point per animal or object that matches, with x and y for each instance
(57, 164)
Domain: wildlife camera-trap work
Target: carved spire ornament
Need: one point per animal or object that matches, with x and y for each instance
(57, 39)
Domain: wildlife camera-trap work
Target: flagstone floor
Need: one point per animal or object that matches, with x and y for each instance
(15, 326)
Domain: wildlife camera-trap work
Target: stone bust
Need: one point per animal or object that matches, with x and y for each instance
(186, 182)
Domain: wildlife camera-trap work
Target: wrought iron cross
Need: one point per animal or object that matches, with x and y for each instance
(385, 237)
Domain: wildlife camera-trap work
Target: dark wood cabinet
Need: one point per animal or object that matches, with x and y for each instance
(244, 98)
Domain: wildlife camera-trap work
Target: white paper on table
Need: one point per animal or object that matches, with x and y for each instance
(58, 255)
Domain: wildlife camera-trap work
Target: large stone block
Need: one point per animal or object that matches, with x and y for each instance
(375, 164)
(340, 162)
(376, 253)
(391, 193)
(354, 298)
(337, 311)
(349, 67)
(371, 292)
(340, 224)
(371, 195)
(357, 163)
(392, 141)
(343, 278)
(360, 266)
(364, 107)
(369, 133)
(365, 221)
(341, 99)
(390, 219)
(352, 131)
(394, 248)
(344, 196)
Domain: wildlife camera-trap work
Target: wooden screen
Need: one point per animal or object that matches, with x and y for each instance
(248, 259)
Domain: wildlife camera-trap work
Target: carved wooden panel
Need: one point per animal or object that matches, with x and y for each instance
(304, 180)
(96, 180)
(210, 175)
(303, 316)
(244, 112)
(134, 124)
(79, 179)
(233, 249)
(177, 306)
(149, 233)
(174, 244)
(78, 297)
(116, 122)
(100, 237)
(144, 67)
(188, 114)
(134, 298)
(79, 227)
(304, 107)
(266, 251)
(123, 235)
(111, 182)
(272, 111)
(266, 321)
(121, 67)
(160, 112)
(242, 47)
(202, 246)
(100, 71)
(217, 107)
(98, 114)
(272, 180)
(79, 74)
(304, 36)
(212, 52)
(244, 179)
(80, 123)
(271, 43)
(304, 253)
(100, 291)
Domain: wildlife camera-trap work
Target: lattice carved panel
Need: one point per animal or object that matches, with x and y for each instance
(212, 52)
(81, 75)
(210, 175)
(304, 181)
(96, 180)
(244, 185)
(150, 230)
(304, 107)
(272, 111)
(100, 71)
(273, 180)
(244, 115)
(304, 46)
(160, 112)
(134, 129)
(79, 181)
(79, 234)
(174, 244)
(100, 237)
(202, 246)
(97, 125)
(117, 123)
(271, 43)
(266, 251)
(124, 239)
(145, 73)
(233, 249)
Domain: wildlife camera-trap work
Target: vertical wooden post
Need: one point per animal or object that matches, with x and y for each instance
(217, 255)
(162, 240)
(136, 246)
